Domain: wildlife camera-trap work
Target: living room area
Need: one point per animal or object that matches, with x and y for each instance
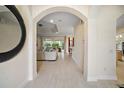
(48, 49)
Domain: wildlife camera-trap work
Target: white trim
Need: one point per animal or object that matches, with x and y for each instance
(92, 78)
(101, 77)
(22, 85)
(106, 77)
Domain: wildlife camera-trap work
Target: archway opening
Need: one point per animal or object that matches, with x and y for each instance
(67, 10)
(120, 49)
(60, 39)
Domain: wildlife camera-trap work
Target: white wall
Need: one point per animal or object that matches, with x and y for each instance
(101, 41)
(78, 49)
(61, 38)
(41, 8)
(15, 72)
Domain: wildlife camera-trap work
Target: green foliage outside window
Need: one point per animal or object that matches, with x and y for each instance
(54, 44)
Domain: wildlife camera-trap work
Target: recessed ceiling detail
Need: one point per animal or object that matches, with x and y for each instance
(58, 24)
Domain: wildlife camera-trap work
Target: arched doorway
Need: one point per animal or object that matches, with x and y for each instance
(52, 10)
(120, 49)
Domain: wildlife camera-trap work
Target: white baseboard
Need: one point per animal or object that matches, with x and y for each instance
(106, 77)
(22, 85)
(101, 77)
(91, 78)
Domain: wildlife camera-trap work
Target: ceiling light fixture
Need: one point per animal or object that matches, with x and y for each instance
(120, 36)
(56, 32)
(51, 21)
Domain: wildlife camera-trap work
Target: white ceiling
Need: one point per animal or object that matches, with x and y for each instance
(54, 38)
(63, 24)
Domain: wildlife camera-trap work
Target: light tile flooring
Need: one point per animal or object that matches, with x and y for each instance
(120, 72)
(64, 73)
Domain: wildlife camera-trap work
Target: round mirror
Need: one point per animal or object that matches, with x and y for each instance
(12, 32)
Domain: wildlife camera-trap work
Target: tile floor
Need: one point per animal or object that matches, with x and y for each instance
(120, 72)
(64, 73)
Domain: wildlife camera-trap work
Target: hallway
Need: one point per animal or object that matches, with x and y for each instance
(63, 73)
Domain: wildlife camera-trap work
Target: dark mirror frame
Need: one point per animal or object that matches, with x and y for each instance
(12, 53)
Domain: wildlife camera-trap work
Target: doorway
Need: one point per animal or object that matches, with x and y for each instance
(60, 9)
(51, 31)
(120, 49)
